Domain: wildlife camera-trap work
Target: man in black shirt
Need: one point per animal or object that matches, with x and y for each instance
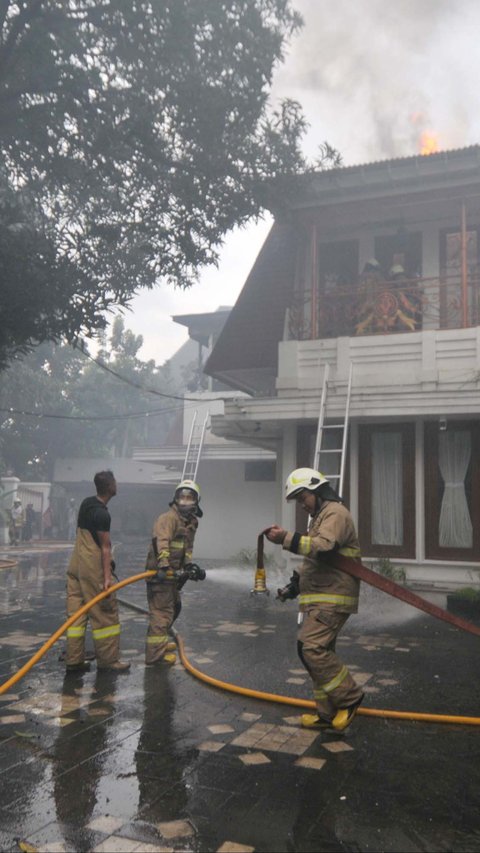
(89, 573)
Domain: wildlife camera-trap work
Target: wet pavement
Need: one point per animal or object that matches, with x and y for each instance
(158, 760)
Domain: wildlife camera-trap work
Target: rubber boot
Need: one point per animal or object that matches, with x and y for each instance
(313, 721)
(117, 666)
(344, 716)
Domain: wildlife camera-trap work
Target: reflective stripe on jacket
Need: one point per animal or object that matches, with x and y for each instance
(174, 536)
(331, 529)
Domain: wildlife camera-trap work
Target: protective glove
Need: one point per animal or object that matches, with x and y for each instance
(164, 573)
(113, 566)
(291, 590)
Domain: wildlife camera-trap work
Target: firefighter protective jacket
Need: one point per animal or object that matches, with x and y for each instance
(321, 585)
(173, 537)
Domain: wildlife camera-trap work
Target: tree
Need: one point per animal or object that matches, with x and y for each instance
(140, 133)
(62, 381)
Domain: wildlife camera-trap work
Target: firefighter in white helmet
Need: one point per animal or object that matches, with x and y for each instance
(327, 595)
(170, 555)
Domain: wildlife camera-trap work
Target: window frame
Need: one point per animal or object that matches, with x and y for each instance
(408, 548)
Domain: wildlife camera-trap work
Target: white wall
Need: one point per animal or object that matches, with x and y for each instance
(235, 511)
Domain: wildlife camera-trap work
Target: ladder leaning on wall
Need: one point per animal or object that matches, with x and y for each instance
(339, 431)
(194, 448)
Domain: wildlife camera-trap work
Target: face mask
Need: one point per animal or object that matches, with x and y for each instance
(186, 503)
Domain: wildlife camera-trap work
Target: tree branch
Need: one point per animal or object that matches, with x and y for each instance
(25, 16)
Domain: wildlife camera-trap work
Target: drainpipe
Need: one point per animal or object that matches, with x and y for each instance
(314, 280)
(464, 269)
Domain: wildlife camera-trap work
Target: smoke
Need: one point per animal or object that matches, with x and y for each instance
(372, 76)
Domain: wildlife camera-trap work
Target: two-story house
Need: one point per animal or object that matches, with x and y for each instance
(374, 266)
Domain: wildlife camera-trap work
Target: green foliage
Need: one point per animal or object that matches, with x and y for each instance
(248, 557)
(135, 135)
(60, 380)
(466, 593)
(385, 567)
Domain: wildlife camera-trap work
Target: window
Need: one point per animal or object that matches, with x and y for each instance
(452, 483)
(401, 249)
(387, 490)
(451, 264)
(337, 279)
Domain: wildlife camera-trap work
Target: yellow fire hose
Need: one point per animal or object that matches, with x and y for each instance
(70, 621)
(225, 685)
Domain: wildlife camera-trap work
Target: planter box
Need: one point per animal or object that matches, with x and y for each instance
(463, 606)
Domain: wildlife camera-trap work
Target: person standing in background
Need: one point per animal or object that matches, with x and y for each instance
(89, 573)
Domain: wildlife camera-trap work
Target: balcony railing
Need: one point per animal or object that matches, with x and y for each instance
(449, 302)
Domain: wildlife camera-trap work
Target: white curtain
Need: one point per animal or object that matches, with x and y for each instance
(455, 525)
(387, 488)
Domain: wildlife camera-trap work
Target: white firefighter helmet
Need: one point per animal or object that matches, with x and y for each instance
(187, 496)
(303, 478)
(189, 484)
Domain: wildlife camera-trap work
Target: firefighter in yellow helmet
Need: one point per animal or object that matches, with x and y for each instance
(170, 554)
(327, 595)
(90, 571)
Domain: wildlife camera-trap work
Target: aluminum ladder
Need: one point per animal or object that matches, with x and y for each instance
(339, 433)
(194, 448)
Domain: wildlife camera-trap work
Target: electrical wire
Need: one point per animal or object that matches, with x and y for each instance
(121, 417)
(142, 387)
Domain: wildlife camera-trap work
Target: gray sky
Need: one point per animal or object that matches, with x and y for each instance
(372, 76)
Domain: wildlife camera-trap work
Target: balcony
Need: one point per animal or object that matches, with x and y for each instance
(414, 346)
(386, 308)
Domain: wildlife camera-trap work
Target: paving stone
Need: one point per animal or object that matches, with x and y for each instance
(116, 844)
(292, 721)
(220, 729)
(233, 847)
(176, 829)
(337, 746)
(310, 763)
(254, 758)
(106, 823)
(362, 677)
(210, 746)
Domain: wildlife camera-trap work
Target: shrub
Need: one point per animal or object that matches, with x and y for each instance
(385, 567)
(467, 593)
(248, 557)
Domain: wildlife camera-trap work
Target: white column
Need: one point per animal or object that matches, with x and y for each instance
(419, 493)
(286, 462)
(8, 493)
(354, 485)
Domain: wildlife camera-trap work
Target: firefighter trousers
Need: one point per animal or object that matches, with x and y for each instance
(84, 582)
(164, 605)
(333, 685)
